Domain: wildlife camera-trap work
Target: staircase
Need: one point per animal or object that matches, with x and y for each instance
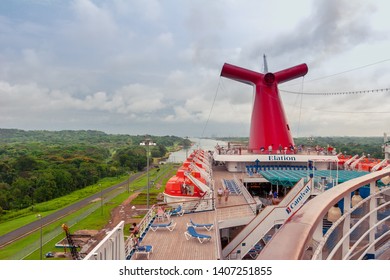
(266, 221)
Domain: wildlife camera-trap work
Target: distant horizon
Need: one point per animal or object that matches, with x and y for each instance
(200, 137)
(154, 67)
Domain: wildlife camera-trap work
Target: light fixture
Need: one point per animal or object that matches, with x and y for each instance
(356, 198)
(334, 213)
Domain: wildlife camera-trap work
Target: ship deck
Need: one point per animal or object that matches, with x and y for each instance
(172, 245)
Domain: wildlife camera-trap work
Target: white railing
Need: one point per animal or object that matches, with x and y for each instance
(143, 226)
(267, 219)
(306, 226)
(111, 247)
(318, 254)
(248, 197)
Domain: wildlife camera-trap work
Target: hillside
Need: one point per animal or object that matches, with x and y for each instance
(37, 166)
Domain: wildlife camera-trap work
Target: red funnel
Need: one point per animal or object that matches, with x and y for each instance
(269, 124)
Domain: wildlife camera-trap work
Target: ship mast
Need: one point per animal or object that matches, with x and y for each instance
(265, 64)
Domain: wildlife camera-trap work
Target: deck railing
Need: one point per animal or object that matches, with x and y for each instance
(358, 235)
(361, 233)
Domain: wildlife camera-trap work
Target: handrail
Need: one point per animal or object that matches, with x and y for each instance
(248, 197)
(116, 253)
(261, 223)
(339, 221)
(218, 246)
(143, 226)
(363, 236)
(373, 244)
(303, 224)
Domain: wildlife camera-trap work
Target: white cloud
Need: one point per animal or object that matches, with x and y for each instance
(149, 65)
(166, 39)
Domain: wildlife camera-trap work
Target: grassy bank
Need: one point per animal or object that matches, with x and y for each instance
(91, 217)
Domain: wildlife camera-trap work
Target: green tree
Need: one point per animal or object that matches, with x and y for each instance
(26, 163)
(158, 151)
(45, 186)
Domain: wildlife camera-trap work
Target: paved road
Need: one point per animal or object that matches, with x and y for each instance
(33, 226)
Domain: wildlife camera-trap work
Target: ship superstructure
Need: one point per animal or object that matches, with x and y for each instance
(234, 201)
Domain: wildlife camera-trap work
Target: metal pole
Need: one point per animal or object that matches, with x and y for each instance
(128, 183)
(39, 216)
(101, 198)
(147, 142)
(147, 170)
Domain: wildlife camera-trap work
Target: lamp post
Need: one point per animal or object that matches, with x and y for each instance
(101, 198)
(128, 182)
(147, 142)
(39, 216)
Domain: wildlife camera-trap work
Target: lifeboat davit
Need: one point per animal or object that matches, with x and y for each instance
(190, 182)
(182, 188)
(343, 159)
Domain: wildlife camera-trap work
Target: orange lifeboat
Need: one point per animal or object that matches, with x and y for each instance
(367, 164)
(180, 185)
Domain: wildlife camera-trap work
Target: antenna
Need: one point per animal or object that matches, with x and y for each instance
(265, 64)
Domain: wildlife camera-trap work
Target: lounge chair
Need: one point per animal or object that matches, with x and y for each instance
(170, 226)
(143, 250)
(161, 215)
(208, 227)
(176, 212)
(255, 251)
(191, 233)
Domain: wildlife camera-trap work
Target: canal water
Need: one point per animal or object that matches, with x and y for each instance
(198, 143)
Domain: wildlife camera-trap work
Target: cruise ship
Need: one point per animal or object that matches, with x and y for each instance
(267, 199)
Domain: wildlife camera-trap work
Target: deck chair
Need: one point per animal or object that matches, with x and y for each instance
(143, 250)
(160, 215)
(191, 233)
(255, 251)
(177, 211)
(170, 226)
(208, 227)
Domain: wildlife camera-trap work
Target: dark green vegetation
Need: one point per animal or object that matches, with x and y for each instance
(347, 145)
(94, 216)
(37, 166)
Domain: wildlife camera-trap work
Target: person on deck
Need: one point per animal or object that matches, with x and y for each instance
(134, 230)
(226, 193)
(220, 194)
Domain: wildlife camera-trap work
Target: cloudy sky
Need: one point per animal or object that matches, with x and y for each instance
(153, 67)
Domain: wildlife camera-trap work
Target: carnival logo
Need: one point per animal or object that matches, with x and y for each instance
(298, 200)
(284, 157)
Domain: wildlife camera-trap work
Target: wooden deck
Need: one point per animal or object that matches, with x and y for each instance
(172, 245)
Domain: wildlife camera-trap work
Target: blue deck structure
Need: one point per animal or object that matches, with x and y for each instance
(291, 177)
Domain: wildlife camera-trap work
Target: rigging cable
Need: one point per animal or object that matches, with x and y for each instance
(340, 93)
(345, 71)
(300, 106)
(212, 106)
(350, 70)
